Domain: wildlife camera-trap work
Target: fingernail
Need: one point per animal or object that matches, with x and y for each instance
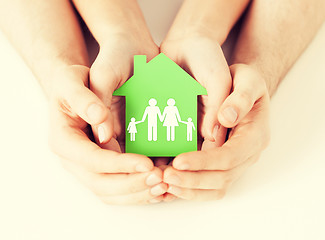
(184, 166)
(215, 132)
(101, 134)
(142, 168)
(157, 190)
(174, 190)
(153, 179)
(94, 112)
(173, 179)
(154, 200)
(230, 114)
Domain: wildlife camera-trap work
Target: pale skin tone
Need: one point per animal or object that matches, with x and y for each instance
(80, 95)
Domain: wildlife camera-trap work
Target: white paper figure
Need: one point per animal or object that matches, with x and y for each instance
(171, 118)
(189, 126)
(132, 129)
(152, 111)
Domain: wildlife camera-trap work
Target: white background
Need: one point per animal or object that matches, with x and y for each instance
(280, 197)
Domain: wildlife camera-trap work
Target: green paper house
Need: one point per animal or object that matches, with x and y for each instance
(161, 108)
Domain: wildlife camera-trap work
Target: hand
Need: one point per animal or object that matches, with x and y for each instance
(208, 174)
(112, 67)
(115, 177)
(203, 58)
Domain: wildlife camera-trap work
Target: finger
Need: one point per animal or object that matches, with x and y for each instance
(210, 68)
(222, 158)
(250, 136)
(114, 184)
(190, 193)
(206, 62)
(248, 87)
(198, 179)
(79, 99)
(112, 145)
(156, 199)
(168, 197)
(104, 79)
(247, 139)
(219, 180)
(73, 144)
(103, 83)
(195, 194)
(143, 197)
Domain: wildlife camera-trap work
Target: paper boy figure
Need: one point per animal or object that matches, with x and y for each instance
(189, 127)
(159, 93)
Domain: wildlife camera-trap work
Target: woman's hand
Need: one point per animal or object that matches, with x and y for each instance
(121, 32)
(208, 174)
(115, 177)
(203, 58)
(112, 67)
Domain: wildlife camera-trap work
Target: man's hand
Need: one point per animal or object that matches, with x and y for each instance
(207, 174)
(115, 177)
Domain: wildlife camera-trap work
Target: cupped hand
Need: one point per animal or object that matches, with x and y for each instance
(208, 174)
(115, 177)
(112, 67)
(202, 57)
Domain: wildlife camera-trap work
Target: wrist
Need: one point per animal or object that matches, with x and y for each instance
(214, 19)
(124, 19)
(178, 33)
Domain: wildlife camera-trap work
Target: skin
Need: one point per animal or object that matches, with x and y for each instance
(262, 57)
(63, 70)
(194, 41)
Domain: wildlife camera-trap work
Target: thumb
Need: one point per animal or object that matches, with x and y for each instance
(248, 87)
(217, 88)
(103, 82)
(214, 75)
(80, 99)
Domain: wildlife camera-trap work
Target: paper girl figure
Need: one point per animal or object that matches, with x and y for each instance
(171, 118)
(190, 126)
(132, 129)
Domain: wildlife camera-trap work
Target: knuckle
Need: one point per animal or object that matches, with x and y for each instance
(220, 194)
(195, 181)
(245, 99)
(227, 163)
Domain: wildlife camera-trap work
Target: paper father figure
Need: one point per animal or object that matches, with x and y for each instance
(161, 108)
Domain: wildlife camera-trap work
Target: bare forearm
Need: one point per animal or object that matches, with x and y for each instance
(275, 33)
(111, 17)
(213, 18)
(46, 34)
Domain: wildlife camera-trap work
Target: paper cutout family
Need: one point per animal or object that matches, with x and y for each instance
(158, 94)
(170, 118)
